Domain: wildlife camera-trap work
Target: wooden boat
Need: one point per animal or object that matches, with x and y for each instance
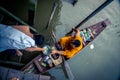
(46, 61)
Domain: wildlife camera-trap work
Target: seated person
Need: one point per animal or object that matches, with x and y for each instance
(19, 37)
(70, 45)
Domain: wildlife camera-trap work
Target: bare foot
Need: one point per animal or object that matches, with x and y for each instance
(19, 53)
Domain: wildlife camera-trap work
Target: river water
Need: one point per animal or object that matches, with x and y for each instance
(102, 62)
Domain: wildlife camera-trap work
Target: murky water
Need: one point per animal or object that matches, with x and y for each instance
(102, 62)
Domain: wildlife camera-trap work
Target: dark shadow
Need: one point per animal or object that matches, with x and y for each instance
(119, 1)
(119, 77)
(73, 2)
(31, 17)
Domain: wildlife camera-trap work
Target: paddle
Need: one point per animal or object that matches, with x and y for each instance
(92, 14)
(66, 68)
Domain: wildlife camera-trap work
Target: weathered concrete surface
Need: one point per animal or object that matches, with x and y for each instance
(43, 11)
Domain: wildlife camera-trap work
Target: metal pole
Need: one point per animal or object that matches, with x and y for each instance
(107, 2)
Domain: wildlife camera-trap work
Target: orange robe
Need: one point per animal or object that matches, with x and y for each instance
(70, 52)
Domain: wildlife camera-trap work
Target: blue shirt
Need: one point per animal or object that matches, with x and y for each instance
(11, 38)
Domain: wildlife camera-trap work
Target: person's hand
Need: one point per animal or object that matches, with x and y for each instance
(54, 51)
(42, 49)
(77, 32)
(19, 53)
(73, 29)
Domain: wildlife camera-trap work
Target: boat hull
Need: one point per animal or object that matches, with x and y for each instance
(46, 61)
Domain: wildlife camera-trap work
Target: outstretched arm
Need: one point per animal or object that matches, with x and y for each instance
(57, 52)
(77, 32)
(31, 49)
